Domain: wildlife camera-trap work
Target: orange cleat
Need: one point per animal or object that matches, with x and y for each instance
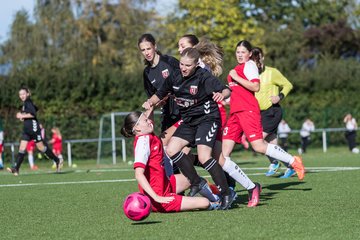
(299, 167)
(34, 168)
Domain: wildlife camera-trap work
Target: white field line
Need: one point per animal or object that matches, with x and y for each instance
(310, 169)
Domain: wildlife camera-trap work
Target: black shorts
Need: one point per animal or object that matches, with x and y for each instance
(31, 131)
(168, 120)
(270, 119)
(203, 133)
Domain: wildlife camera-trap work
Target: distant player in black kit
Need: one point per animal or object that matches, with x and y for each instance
(196, 91)
(31, 131)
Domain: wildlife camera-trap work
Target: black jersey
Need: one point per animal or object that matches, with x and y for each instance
(194, 94)
(31, 125)
(155, 77)
(29, 107)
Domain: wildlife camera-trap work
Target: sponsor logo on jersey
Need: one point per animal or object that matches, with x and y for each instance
(184, 102)
(165, 73)
(193, 90)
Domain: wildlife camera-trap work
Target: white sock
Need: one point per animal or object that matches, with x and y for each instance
(1, 161)
(236, 173)
(277, 152)
(31, 161)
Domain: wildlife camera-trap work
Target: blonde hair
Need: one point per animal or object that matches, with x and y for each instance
(212, 55)
(57, 131)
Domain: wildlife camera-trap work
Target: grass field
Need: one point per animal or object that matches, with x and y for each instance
(86, 203)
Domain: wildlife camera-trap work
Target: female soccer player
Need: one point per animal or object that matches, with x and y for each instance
(245, 118)
(31, 131)
(150, 173)
(56, 141)
(211, 59)
(158, 69)
(274, 88)
(30, 147)
(196, 92)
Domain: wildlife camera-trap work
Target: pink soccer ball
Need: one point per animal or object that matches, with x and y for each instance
(137, 206)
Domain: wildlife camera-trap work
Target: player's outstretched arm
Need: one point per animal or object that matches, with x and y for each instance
(144, 183)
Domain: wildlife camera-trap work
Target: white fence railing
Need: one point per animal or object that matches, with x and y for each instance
(69, 143)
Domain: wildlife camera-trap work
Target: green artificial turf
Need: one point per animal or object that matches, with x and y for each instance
(86, 203)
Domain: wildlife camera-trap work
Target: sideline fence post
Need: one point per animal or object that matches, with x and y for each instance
(123, 146)
(69, 154)
(324, 141)
(113, 138)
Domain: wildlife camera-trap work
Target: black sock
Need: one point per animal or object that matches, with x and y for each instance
(50, 155)
(186, 167)
(272, 160)
(217, 174)
(230, 181)
(195, 159)
(19, 160)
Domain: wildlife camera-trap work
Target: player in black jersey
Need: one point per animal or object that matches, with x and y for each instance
(196, 91)
(158, 69)
(31, 131)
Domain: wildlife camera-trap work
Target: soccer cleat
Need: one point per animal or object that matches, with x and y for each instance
(298, 166)
(254, 195)
(14, 171)
(59, 165)
(233, 194)
(34, 167)
(214, 206)
(226, 202)
(288, 173)
(272, 169)
(195, 188)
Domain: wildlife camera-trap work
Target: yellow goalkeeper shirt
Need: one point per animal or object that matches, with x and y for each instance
(272, 83)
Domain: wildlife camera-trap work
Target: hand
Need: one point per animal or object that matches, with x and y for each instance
(274, 99)
(19, 116)
(160, 199)
(147, 105)
(217, 96)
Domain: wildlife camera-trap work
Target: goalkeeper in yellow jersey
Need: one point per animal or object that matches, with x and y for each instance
(274, 88)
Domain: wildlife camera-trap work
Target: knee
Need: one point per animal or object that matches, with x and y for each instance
(171, 151)
(259, 147)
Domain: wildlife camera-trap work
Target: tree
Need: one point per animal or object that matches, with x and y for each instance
(221, 21)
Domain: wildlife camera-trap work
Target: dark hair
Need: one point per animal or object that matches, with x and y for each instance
(257, 55)
(193, 40)
(26, 89)
(147, 37)
(191, 53)
(129, 123)
(245, 44)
